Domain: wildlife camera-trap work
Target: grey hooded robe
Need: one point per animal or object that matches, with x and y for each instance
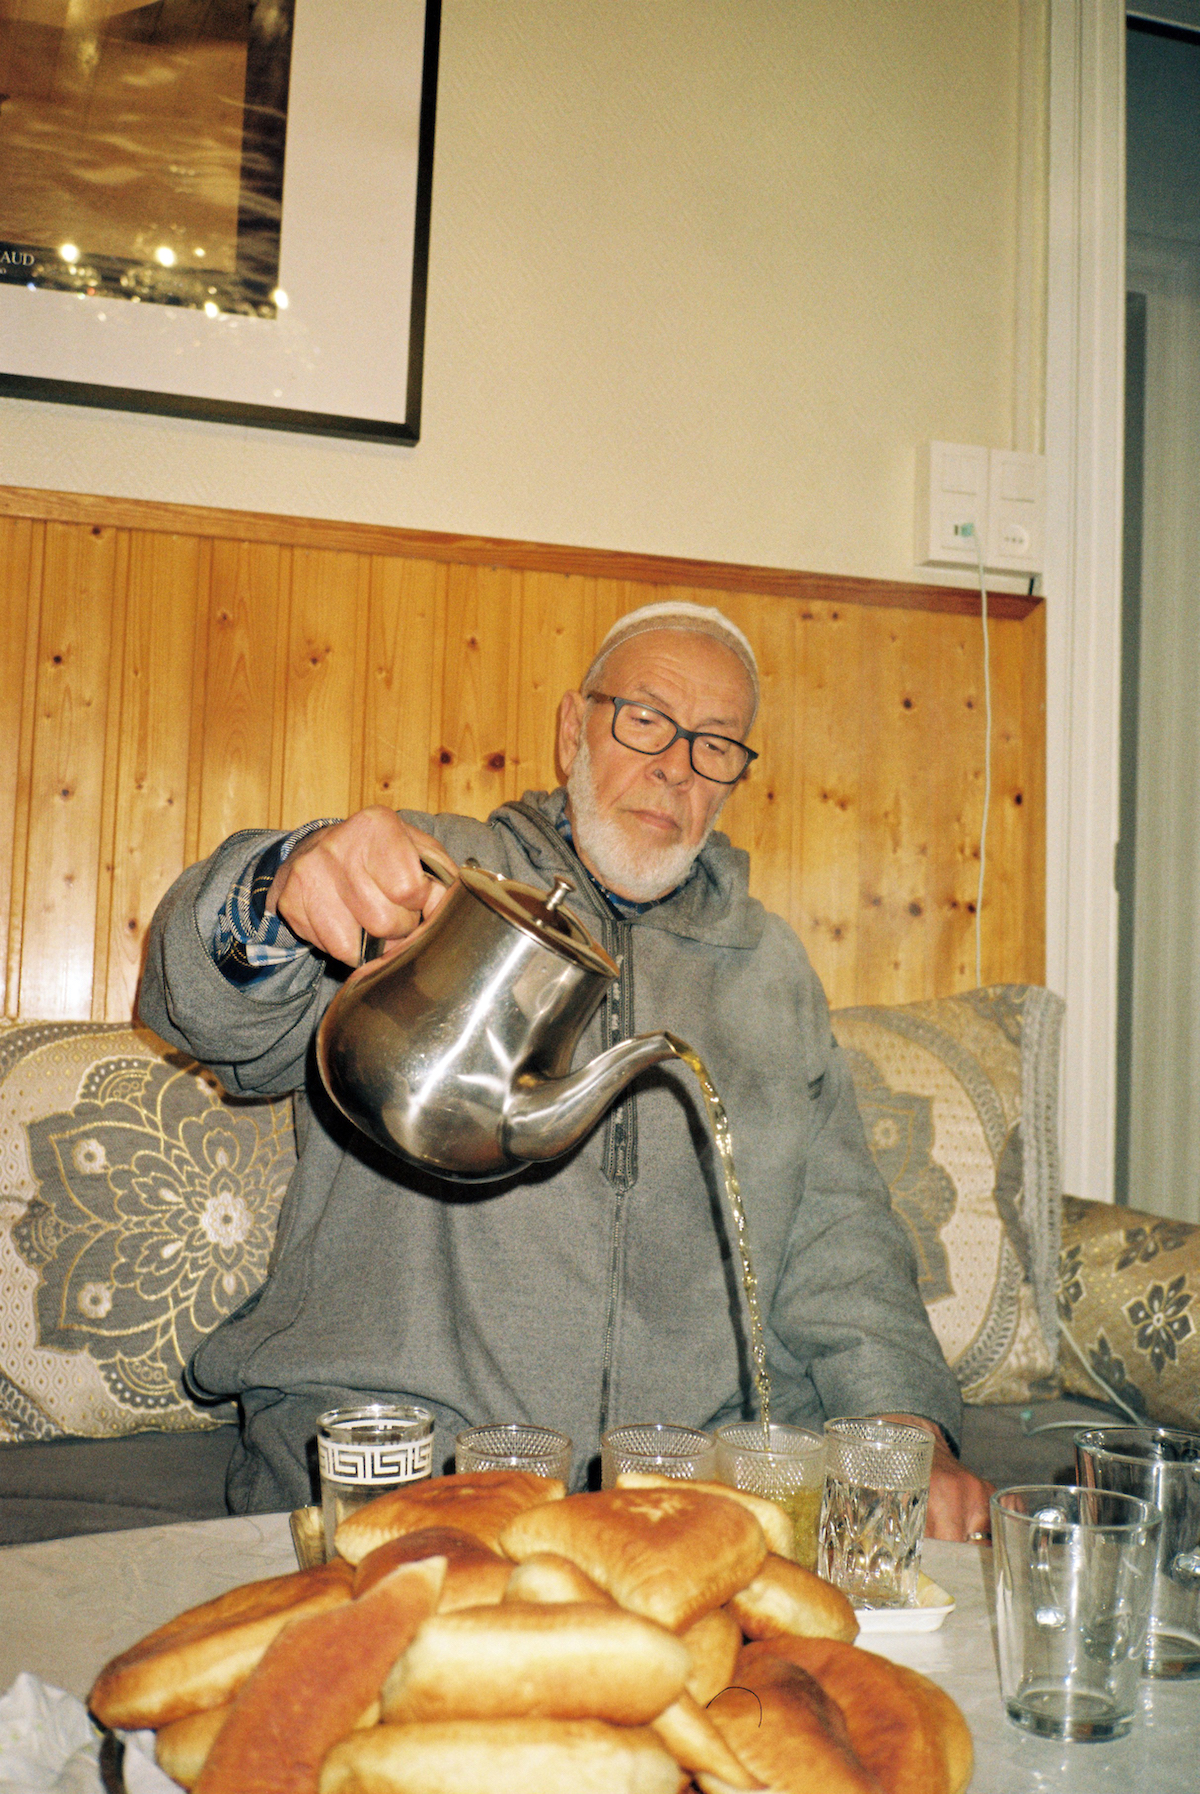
(602, 1287)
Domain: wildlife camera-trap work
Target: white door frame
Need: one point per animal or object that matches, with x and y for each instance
(1085, 353)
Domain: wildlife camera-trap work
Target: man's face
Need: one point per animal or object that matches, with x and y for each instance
(639, 820)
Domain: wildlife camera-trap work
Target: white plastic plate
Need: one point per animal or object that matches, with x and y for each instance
(933, 1604)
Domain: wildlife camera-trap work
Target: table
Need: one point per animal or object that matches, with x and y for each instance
(69, 1605)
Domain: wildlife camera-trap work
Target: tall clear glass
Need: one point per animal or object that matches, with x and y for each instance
(1160, 1465)
(1074, 1577)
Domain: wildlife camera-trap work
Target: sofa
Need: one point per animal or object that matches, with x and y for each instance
(138, 1204)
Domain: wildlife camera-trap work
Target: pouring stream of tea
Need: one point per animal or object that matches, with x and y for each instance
(720, 1128)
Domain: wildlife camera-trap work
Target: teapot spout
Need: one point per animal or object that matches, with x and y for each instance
(546, 1117)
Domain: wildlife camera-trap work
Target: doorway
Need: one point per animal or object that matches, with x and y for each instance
(1157, 1160)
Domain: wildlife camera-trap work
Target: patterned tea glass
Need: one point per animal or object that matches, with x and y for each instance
(873, 1510)
(368, 1451)
(509, 1445)
(679, 1451)
(785, 1465)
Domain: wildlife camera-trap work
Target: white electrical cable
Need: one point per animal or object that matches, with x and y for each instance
(987, 758)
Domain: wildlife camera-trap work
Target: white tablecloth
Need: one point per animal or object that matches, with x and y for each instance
(69, 1605)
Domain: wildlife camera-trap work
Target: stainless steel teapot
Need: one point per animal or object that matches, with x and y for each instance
(455, 1051)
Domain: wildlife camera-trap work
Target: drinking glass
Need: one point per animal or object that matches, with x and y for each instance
(512, 1446)
(680, 1451)
(873, 1510)
(1162, 1466)
(784, 1464)
(1074, 1577)
(368, 1451)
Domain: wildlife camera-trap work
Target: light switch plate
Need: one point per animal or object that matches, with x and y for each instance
(952, 492)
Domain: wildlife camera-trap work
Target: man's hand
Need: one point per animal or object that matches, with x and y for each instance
(365, 872)
(958, 1500)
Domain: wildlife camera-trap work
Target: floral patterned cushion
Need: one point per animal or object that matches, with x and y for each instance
(1129, 1308)
(138, 1205)
(959, 1101)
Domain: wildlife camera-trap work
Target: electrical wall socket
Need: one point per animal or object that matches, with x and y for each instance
(1016, 512)
(963, 490)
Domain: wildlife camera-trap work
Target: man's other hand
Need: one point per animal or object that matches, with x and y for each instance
(958, 1500)
(364, 873)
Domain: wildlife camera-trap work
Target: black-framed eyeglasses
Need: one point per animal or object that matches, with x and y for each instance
(649, 731)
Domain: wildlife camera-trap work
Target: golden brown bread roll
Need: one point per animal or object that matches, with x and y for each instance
(694, 1741)
(313, 1685)
(713, 1643)
(181, 1748)
(783, 1599)
(787, 1731)
(902, 1726)
(198, 1659)
(906, 1730)
(548, 1577)
(668, 1553)
(778, 1529)
(954, 1734)
(481, 1503)
(544, 1661)
(475, 1576)
(502, 1756)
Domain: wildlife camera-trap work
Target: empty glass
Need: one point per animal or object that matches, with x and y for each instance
(1161, 1466)
(873, 1510)
(663, 1450)
(511, 1445)
(1074, 1577)
(784, 1464)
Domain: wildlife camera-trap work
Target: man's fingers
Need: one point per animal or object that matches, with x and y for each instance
(958, 1501)
(361, 874)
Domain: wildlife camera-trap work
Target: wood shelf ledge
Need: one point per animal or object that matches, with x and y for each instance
(493, 551)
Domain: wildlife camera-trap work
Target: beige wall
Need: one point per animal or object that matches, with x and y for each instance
(703, 273)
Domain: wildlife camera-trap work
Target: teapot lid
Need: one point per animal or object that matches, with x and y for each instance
(540, 914)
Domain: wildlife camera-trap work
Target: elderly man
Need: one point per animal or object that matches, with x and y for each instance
(600, 1288)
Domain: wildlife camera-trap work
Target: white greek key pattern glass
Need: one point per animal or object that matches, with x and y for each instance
(368, 1451)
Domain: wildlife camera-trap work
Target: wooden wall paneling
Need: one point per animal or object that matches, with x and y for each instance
(831, 725)
(237, 749)
(762, 814)
(293, 675)
(110, 772)
(22, 542)
(1004, 938)
(83, 586)
(558, 639)
(330, 593)
(896, 786)
(951, 720)
(483, 625)
(167, 587)
(406, 651)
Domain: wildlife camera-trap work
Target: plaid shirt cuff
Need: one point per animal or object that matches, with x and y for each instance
(247, 942)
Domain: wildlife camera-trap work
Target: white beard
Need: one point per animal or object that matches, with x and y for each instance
(640, 873)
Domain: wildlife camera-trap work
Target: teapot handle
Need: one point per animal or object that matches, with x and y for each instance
(439, 865)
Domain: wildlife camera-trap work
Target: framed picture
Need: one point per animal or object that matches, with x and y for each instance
(219, 208)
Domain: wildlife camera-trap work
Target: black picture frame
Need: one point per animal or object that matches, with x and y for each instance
(322, 418)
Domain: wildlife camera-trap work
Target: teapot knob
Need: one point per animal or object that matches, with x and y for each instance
(558, 892)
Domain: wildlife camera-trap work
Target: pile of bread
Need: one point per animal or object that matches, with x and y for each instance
(486, 1633)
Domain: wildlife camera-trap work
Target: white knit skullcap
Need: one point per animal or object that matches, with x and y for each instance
(687, 619)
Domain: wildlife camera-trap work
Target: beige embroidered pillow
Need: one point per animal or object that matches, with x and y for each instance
(958, 1098)
(137, 1209)
(1129, 1303)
